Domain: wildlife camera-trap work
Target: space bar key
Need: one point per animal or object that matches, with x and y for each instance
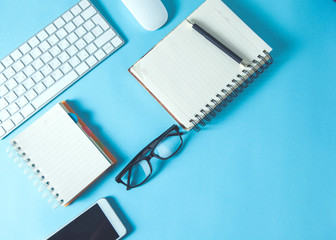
(54, 89)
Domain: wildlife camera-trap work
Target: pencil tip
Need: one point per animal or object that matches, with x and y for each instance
(189, 21)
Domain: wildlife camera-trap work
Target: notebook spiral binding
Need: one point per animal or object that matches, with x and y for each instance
(16, 153)
(232, 91)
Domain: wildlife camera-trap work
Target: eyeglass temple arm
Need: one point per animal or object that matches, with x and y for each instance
(177, 134)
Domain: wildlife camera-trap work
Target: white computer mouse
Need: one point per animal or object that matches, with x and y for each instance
(151, 14)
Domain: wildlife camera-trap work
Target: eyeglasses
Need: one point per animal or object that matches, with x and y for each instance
(138, 171)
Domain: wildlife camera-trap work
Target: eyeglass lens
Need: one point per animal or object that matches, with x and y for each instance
(169, 145)
(138, 173)
(166, 148)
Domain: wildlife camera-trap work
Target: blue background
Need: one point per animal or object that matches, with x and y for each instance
(263, 169)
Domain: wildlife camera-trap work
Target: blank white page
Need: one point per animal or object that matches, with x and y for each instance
(185, 71)
(62, 152)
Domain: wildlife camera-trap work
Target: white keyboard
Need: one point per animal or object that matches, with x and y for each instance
(48, 63)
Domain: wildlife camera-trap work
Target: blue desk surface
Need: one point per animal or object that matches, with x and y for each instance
(263, 169)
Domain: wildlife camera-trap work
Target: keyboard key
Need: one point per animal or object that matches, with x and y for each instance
(83, 55)
(97, 19)
(59, 22)
(67, 16)
(53, 40)
(91, 48)
(80, 31)
(55, 51)
(42, 35)
(2, 78)
(100, 54)
(72, 50)
(72, 38)
(16, 55)
(81, 68)
(10, 97)
(78, 21)
(116, 41)
(20, 90)
(108, 48)
(13, 108)
(76, 10)
(70, 27)
(84, 4)
(88, 25)
(37, 64)
(48, 81)
(74, 61)
(66, 68)
(97, 31)
(57, 74)
(37, 77)
(91, 61)
(63, 44)
(27, 59)
(33, 41)
(80, 44)
(22, 101)
(55, 63)
(63, 57)
(3, 90)
(17, 118)
(54, 89)
(104, 38)
(4, 114)
(31, 94)
(11, 83)
(18, 66)
(7, 61)
(39, 88)
(35, 53)
(89, 37)
(8, 125)
(89, 12)
(46, 57)
(51, 29)
(1, 67)
(46, 70)
(25, 48)
(61, 33)
(9, 72)
(29, 70)
(44, 46)
(28, 83)
(20, 77)
(3, 103)
(27, 110)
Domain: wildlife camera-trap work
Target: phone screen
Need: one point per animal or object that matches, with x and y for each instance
(91, 225)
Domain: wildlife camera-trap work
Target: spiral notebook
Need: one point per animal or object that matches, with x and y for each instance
(193, 79)
(62, 155)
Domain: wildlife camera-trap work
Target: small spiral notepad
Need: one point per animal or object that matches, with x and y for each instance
(192, 78)
(60, 154)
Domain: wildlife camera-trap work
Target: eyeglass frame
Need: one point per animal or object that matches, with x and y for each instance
(143, 155)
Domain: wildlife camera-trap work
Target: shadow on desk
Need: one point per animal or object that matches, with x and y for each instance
(171, 7)
(121, 214)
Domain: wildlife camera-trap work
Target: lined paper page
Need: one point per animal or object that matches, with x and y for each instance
(62, 153)
(185, 71)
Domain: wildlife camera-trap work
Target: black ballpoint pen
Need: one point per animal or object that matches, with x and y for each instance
(218, 44)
